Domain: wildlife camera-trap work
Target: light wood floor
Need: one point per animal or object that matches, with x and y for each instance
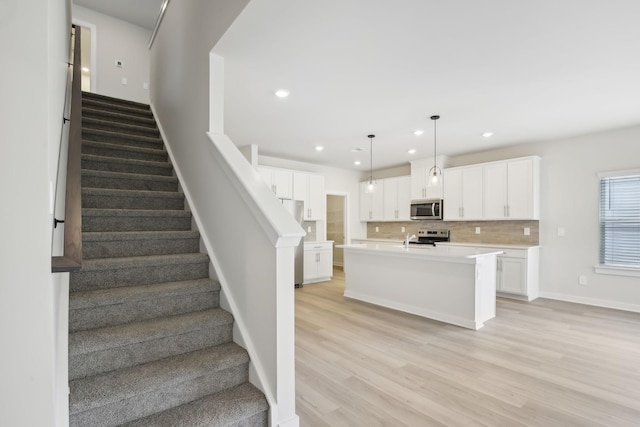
(545, 363)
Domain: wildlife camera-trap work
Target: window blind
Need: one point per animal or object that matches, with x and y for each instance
(620, 220)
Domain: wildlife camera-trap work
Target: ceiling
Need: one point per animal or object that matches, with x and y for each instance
(529, 71)
(140, 12)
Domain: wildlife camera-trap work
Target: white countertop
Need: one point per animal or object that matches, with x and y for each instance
(440, 253)
(478, 245)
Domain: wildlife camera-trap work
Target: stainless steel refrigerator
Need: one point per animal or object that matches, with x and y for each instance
(296, 208)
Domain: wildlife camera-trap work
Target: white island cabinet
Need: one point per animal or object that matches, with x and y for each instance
(318, 261)
(449, 284)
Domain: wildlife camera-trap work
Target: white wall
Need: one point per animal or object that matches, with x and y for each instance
(336, 180)
(569, 199)
(118, 40)
(35, 40)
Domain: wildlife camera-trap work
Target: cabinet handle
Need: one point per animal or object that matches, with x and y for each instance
(317, 257)
(508, 211)
(370, 214)
(505, 211)
(310, 212)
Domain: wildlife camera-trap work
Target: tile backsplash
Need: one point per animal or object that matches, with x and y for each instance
(500, 232)
(311, 235)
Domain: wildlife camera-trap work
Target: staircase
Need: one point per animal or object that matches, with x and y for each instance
(148, 343)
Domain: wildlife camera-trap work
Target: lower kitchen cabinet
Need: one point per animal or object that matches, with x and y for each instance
(517, 274)
(318, 261)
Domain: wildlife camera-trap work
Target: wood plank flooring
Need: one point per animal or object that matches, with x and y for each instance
(545, 363)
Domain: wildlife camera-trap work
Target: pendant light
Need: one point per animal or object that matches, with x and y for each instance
(435, 171)
(371, 185)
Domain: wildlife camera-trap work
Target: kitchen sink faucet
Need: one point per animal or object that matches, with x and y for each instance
(408, 239)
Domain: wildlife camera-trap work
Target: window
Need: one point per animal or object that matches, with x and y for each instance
(620, 220)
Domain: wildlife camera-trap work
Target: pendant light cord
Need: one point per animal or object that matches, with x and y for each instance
(371, 158)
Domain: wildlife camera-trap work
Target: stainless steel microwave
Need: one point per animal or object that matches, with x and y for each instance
(426, 209)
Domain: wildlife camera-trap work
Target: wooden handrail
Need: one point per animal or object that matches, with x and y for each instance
(71, 259)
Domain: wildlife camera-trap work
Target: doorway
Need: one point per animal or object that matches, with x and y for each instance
(89, 72)
(337, 224)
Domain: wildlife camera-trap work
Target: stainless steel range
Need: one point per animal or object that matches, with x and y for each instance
(430, 237)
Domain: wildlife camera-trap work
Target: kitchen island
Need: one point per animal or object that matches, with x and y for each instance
(455, 285)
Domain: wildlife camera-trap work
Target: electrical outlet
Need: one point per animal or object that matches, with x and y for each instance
(560, 231)
(377, 229)
(582, 280)
(527, 231)
(145, 86)
(124, 81)
(477, 230)
(403, 229)
(309, 229)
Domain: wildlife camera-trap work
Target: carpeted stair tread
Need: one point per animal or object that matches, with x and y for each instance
(113, 306)
(101, 135)
(106, 107)
(101, 220)
(115, 386)
(114, 116)
(118, 127)
(107, 236)
(226, 408)
(128, 181)
(142, 261)
(116, 101)
(110, 198)
(102, 297)
(138, 243)
(123, 151)
(110, 337)
(114, 164)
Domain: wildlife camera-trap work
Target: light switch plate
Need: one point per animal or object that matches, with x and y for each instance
(124, 81)
(377, 229)
(403, 229)
(477, 230)
(560, 231)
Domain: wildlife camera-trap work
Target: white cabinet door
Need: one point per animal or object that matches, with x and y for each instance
(512, 275)
(397, 198)
(310, 189)
(453, 194)
(472, 196)
(316, 198)
(280, 181)
(520, 197)
(418, 182)
(404, 198)
(318, 262)
(372, 204)
(511, 189)
(390, 202)
(463, 193)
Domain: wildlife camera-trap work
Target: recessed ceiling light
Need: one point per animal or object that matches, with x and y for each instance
(487, 134)
(319, 148)
(418, 132)
(282, 93)
(85, 69)
(412, 151)
(357, 163)
(357, 149)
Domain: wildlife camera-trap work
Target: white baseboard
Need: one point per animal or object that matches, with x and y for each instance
(591, 301)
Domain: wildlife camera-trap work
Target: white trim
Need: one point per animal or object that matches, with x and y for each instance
(345, 220)
(627, 172)
(94, 50)
(617, 270)
(247, 343)
(591, 301)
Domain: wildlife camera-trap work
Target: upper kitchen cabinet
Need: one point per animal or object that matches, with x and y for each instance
(463, 198)
(422, 186)
(396, 198)
(279, 180)
(309, 188)
(372, 204)
(512, 189)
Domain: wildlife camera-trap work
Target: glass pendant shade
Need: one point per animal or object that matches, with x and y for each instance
(370, 187)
